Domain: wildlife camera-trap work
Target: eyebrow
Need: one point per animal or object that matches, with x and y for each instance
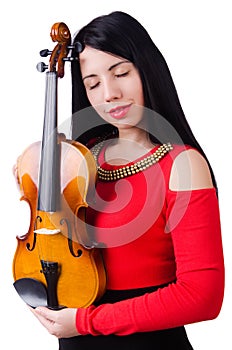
(110, 68)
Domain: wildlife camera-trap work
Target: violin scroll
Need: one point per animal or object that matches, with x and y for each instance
(60, 34)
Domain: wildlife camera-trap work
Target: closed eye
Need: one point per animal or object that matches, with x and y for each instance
(122, 74)
(94, 86)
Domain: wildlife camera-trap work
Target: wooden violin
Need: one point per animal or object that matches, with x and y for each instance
(55, 263)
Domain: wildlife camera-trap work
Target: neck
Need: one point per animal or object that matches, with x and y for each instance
(131, 144)
(134, 136)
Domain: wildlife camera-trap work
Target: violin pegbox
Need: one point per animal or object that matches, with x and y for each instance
(62, 52)
(60, 34)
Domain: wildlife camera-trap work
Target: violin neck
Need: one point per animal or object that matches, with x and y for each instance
(49, 174)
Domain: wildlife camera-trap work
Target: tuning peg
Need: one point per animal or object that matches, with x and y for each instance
(70, 59)
(78, 47)
(41, 67)
(45, 53)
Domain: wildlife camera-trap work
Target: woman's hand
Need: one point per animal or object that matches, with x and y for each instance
(15, 173)
(60, 323)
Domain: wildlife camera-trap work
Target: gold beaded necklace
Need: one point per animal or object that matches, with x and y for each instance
(128, 170)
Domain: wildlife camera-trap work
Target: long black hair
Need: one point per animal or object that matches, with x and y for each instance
(122, 35)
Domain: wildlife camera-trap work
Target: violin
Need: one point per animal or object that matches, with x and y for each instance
(56, 264)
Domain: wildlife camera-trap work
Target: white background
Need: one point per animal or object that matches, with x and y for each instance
(195, 39)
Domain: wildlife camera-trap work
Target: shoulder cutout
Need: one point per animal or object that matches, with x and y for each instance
(190, 171)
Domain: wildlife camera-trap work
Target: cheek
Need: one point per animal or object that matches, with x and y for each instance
(95, 100)
(135, 90)
(100, 109)
(92, 98)
(139, 93)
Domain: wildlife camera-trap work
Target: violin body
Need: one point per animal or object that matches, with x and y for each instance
(80, 274)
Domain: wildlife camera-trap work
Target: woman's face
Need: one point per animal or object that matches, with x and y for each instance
(113, 87)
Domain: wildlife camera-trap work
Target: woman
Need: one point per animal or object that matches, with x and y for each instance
(156, 215)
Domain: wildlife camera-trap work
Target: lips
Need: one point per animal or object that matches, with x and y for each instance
(119, 112)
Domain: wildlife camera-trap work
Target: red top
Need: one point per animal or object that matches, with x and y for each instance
(154, 236)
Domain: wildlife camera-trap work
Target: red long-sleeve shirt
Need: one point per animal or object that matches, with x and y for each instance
(154, 236)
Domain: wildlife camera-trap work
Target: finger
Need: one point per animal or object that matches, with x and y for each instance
(46, 313)
(35, 312)
(45, 320)
(15, 173)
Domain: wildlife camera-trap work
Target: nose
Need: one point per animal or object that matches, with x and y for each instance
(111, 91)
